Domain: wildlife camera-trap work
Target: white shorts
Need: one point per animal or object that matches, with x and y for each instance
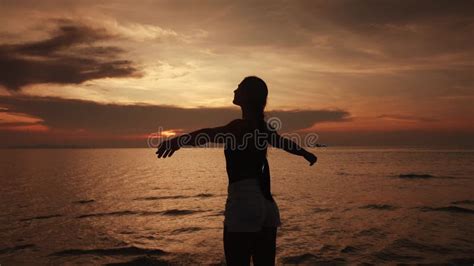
(247, 210)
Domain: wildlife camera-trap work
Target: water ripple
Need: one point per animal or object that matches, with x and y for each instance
(84, 201)
(173, 212)
(450, 209)
(41, 217)
(187, 229)
(378, 207)
(467, 202)
(311, 259)
(318, 210)
(15, 248)
(201, 195)
(141, 261)
(413, 175)
(127, 251)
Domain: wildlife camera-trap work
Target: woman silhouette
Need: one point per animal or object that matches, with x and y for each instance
(251, 215)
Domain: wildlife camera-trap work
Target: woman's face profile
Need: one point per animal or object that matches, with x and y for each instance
(238, 95)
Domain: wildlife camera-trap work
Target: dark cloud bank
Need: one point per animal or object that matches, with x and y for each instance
(71, 55)
(116, 120)
(92, 124)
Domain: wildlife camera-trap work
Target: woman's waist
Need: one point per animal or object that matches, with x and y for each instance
(244, 186)
(242, 171)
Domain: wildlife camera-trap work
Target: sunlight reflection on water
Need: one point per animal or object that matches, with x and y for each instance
(115, 205)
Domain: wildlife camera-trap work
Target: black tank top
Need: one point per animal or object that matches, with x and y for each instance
(247, 156)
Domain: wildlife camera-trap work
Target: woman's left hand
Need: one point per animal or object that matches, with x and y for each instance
(311, 158)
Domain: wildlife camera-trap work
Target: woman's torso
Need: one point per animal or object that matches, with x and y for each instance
(246, 154)
(247, 206)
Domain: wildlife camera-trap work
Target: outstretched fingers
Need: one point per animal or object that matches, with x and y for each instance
(171, 153)
(161, 150)
(165, 149)
(311, 158)
(167, 152)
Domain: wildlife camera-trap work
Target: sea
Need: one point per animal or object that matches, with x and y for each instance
(356, 205)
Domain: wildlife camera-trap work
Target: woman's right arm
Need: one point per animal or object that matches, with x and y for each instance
(198, 137)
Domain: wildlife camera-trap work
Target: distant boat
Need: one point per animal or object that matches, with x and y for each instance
(319, 145)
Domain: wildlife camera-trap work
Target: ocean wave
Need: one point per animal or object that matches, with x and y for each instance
(328, 248)
(352, 249)
(378, 207)
(161, 197)
(413, 175)
(332, 231)
(372, 232)
(187, 229)
(204, 195)
(342, 173)
(84, 201)
(390, 256)
(173, 212)
(124, 251)
(201, 195)
(127, 232)
(218, 213)
(317, 210)
(407, 250)
(117, 213)
(404, 243)
(451, 209)
(41, 217)
(462, 261)
(15, 248)
(467, 202)
(311, 259)
(141, 261)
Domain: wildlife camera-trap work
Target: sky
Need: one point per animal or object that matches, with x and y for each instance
(355, 72)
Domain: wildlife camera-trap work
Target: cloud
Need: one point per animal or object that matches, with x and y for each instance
(70, 55)
(46, 120)
(303, 119)
(408, 118)
(119, 119)
(138, 31)
(395, 29)
(370, 12)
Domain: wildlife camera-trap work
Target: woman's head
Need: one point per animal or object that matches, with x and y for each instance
(251, 94)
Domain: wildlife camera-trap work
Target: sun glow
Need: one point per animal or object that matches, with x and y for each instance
(168, 133)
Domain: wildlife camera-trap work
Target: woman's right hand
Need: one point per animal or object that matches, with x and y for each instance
(167, 148)
(311, 158)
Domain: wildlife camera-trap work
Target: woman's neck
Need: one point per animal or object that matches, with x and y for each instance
(248, 114)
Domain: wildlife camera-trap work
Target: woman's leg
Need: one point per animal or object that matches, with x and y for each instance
(265, 247)
(238, 247)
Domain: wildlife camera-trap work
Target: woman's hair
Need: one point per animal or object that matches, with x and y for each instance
(257, 93)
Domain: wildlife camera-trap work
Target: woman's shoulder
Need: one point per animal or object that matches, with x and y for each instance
(240, 125)
(235, 126)
(237, 123)
(245, 124)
